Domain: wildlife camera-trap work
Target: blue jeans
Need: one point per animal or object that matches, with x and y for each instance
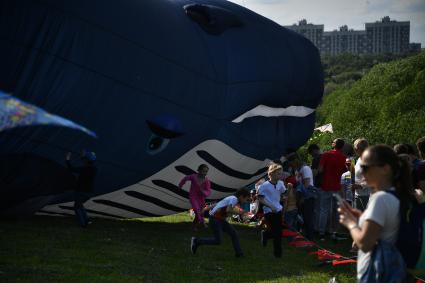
(308, 215)
(80, 211)
(291, 218)
(219, 226)
(316, 213)
(327, 211)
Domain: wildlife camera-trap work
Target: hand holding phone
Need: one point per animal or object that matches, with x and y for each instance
(339, 199)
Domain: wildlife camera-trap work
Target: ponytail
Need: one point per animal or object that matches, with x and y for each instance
(403, 179)
(401, 173)
(403, 185)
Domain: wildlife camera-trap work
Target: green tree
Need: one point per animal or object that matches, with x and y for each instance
(386, 106)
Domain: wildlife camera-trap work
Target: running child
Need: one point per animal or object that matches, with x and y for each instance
(200, 188)
(219, 224)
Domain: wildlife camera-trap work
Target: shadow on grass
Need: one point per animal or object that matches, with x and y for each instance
(55, 249)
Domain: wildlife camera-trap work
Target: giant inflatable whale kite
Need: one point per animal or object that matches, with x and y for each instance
(165, 84)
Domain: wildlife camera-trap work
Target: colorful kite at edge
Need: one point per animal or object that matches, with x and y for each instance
(16, 113)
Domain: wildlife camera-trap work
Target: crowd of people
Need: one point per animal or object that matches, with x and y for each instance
(365, 193)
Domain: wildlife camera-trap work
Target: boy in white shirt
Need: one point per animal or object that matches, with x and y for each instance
(270, 194)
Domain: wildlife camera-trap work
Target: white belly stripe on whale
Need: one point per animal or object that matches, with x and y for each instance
(120, 204)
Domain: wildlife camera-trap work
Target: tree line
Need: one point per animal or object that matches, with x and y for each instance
(380, 98)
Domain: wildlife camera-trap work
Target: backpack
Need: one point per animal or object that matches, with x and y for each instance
(411, 236)
(418, 174)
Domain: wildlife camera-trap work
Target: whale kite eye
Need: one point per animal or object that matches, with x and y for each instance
(164, 128)
(156, 144)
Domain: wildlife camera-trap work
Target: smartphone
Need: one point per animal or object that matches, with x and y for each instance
(339, 199)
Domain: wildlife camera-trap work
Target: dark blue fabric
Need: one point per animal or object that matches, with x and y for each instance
(26, 177)
(111, 66)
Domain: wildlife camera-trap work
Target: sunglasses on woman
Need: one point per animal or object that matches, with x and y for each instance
(366, 167)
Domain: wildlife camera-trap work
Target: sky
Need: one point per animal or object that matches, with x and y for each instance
(335, 13)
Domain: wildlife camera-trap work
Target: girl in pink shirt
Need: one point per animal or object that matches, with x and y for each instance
(200, 188)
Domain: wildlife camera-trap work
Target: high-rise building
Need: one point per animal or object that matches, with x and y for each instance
(385, 36)
(344, 40)
(388, 36)
(310, 31)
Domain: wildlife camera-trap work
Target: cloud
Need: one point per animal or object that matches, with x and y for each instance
(269, 1)
(396, 6)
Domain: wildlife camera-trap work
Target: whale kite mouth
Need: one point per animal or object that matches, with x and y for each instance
(267, 111)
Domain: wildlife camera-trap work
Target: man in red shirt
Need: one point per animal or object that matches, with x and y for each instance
(332, 166)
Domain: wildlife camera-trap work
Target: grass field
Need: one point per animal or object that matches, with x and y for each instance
(55, 249)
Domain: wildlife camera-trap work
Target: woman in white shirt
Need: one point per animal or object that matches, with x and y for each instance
(383, 171)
